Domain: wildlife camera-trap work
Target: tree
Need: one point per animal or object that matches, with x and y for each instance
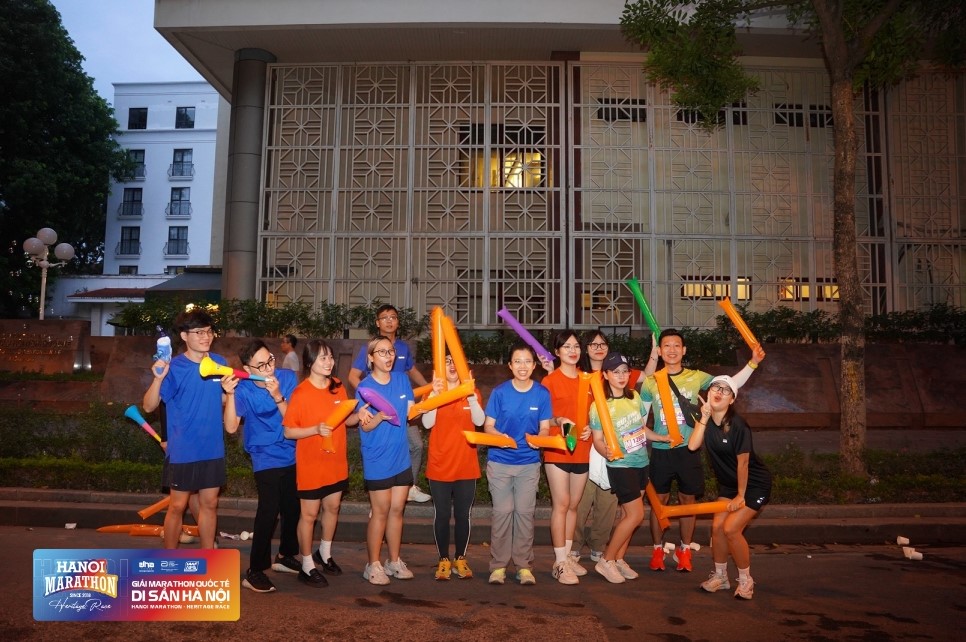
(57, 154)
(692, 49)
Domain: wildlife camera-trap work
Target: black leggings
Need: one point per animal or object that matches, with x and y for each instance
(452, 498)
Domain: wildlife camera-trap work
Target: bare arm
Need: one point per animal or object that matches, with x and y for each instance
(230, 413)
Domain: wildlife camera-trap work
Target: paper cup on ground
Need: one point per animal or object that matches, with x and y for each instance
(70, 526)
(695, 547)
(908, 551)
(916, 556)
(902, 541)
(668, 547)
(245, 535)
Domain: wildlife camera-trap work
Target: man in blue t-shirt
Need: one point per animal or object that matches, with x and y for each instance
(387, 325)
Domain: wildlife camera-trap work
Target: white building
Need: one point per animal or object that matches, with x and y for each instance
(160, 220)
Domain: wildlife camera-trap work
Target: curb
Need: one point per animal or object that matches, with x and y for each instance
(778, 524)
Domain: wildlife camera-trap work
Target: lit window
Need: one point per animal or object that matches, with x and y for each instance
(515, 159)
(799, 289)
(715, 288)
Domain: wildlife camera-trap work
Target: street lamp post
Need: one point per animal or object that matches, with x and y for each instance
(38, 248)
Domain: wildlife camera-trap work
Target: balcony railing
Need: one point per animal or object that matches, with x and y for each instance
(184, 171)
(130, 208)
(175, 248)
(178, 209)
(128, 248)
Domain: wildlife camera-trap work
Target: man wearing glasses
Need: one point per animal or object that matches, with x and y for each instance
(196, 446)
(387, 325)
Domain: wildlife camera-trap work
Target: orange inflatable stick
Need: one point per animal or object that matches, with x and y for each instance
(656, 507)
(117, 528)
(338, 415)
(486, 439)
(156, 507)
(455, 349)
(600, 402)
(739, 323)
(439, 343)
(461, 391)
(583, 401)
(422, 391)
(664, 513)
(551, 441)
(667, 407)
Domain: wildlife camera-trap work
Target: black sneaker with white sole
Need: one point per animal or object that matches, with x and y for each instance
(286, 564)
(328, 567)
(258, 582)
(313, 578)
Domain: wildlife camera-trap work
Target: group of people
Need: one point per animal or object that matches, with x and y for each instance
(297, 455)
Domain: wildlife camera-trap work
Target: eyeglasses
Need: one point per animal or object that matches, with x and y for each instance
(388, 317)
(725, 391)
(262, 367)
(202, 332)
(597, 345)
(449, 361)
(385, 352)
(571, 347)
(522, 362)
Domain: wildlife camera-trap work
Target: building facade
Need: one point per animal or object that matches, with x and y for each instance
(160, 220)
(460, 155)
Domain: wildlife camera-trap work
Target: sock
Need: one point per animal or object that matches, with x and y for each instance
(744, 574)
(684, 546)
(657, 546)
(569, 545)
(307, 564)
(721, 569)
(325, 549)
(560, 553)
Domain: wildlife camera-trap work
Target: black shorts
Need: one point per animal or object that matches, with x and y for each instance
(573, 469)
(405, 478)
(755, 498)
(677, 463)
(324, 491)
(627, 483)
(196, 475)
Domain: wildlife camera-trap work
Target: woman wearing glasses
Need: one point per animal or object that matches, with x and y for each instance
(321, 475)
(386, 465)
(261, 404)
(743, 480)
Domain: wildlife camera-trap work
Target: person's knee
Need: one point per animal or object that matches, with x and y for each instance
(685, 499)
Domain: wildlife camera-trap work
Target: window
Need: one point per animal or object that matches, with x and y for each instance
(131, 205)
(613, 109)
(180, 204)
(794, 115)
(800, 289)
(129, 270)
(177, 241)
(137, 118)
(130, 241)
(136, 156)
(715, 288)
(181, 165)
(174, 269)
(516, 157)
(185, 118)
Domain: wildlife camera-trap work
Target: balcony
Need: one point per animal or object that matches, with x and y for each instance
(127, 248)
(176, 249)
(178, 209)
(130, 209)
(181, 171)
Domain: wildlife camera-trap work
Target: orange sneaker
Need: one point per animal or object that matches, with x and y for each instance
(683, 556)
(657, 560)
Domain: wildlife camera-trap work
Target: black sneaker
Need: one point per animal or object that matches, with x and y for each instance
(286, 564)
(329, 568)
(313, 578)
(258, 582)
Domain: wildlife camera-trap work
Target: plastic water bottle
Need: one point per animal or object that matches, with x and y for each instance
(163, 349)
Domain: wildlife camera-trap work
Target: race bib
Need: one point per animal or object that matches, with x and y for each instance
(634, 440)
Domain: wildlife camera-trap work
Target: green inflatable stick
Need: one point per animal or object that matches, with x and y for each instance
(571, 436)
(642, 304)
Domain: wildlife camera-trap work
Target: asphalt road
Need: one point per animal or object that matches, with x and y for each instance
(802, 593)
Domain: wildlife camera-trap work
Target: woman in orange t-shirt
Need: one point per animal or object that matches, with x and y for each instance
(320, 476)
(566, 471)
(452, 469)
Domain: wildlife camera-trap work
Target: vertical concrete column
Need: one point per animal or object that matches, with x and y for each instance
(239, 267)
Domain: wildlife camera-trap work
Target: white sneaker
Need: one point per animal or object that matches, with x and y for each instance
(375, 574)
(498, 576)
(609, 570)
(746, 589)
(417, 495)
(716, 582)
(626, 570)
(573, 559)
(398, 569)
(563, 573)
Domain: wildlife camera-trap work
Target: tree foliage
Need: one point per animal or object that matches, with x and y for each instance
(57, 154)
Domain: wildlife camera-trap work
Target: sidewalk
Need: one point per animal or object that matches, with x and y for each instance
(778, 524)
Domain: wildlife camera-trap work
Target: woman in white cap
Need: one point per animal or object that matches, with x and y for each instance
(743, 480)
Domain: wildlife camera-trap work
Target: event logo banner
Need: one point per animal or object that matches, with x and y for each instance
(145, 585)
